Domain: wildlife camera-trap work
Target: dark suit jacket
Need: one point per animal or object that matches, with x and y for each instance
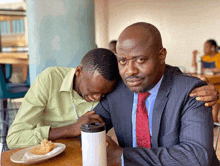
(182, 128)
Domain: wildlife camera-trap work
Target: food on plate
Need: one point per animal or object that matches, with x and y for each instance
(45, 147)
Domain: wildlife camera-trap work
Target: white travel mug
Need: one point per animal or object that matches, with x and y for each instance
(93, 140)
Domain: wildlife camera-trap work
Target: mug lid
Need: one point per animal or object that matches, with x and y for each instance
(93, 127)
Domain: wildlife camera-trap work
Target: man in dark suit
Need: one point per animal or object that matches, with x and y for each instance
(170, 128)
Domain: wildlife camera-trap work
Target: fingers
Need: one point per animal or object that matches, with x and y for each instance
(106, 144)
(196, 90)
(207, 93)
(208, 101)
(93, 121)
(90, 117)
(208, 90)
(208, 104)
(96, 117)
(89, 113)
(200, 93)
(205, 98)
(107, 140)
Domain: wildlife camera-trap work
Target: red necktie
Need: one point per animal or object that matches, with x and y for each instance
(142, 123)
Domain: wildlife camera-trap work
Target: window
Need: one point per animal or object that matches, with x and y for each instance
(4, 27)
(18, 26)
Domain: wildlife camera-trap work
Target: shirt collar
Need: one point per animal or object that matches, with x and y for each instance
(67, 84)
(155, 89)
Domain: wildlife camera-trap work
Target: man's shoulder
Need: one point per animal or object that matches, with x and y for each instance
(187, 78)
(188, 81)
(120, 90)
(183, 80)
(120, 85)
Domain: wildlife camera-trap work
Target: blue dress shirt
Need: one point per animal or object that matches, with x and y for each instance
(149, 105)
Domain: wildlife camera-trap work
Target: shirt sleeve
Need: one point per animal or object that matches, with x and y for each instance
(122, 160)
(27, 129)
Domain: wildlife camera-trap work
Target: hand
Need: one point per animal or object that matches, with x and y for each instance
(114, 152)
(88, 117)
(195, 52)
(194, 64)
(206, 93)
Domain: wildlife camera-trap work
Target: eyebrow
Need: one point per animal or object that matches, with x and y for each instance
(133, 57)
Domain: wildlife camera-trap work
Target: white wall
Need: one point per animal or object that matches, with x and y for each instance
(101, 23)
(184, 25)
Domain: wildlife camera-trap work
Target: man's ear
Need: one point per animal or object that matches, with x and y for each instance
(162, 55)
(78, 71)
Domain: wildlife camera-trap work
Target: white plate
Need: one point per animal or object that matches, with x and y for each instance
(17, 157)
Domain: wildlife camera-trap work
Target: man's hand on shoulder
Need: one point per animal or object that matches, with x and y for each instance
(206, 93)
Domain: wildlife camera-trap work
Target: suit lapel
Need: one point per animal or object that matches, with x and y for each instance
(159, 106)
(127, 116)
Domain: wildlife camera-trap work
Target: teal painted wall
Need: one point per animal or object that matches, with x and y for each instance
(60, 33)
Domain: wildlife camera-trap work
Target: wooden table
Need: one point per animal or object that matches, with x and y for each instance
(72, 156)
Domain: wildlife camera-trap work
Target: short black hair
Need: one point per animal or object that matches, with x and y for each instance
(212, 42)
(102, 60)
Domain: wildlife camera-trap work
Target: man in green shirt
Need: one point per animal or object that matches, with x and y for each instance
(60, 100)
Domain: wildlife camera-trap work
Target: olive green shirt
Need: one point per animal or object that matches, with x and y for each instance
(48, 103)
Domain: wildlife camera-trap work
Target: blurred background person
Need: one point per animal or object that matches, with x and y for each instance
(211, 57)
(211, 61)
(112, 46)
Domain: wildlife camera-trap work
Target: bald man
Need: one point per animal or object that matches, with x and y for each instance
(155, 120)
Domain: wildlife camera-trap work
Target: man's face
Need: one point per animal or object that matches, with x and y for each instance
(93, 86)
(139, 65)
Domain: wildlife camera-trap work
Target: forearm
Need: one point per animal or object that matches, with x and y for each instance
(64, 132)
(19, 137)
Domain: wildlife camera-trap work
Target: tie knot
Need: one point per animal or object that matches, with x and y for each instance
(142, 97)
